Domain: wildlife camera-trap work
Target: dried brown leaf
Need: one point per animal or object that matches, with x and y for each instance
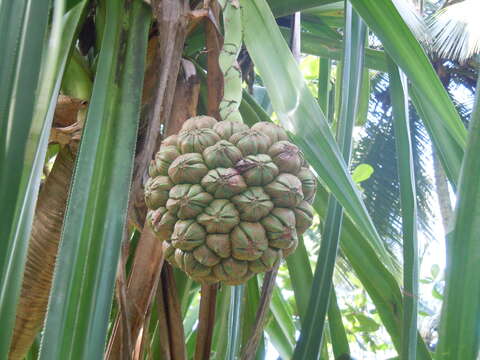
(141, 289)
(42, 252)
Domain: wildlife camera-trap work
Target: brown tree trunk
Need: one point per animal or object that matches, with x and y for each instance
(42, 252)
(161, 76)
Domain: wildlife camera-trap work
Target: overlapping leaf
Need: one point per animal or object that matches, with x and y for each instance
(299, 112)
(28, 120)
(430, 98)
(78, 313)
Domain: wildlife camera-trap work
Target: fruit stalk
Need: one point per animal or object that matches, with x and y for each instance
(232, 75)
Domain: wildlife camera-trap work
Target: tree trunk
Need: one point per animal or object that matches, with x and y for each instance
(42, 252)
(443, 194)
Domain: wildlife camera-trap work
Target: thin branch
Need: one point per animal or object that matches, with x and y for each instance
(121, 292)
(142, 286)
(250, 349)
(164, 334)
(206, 322)
(174, 315)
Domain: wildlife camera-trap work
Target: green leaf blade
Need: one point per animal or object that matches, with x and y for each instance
(459, 335)
(23, 25)
(442, 120)
(293, 103)
(234, 320)
(399, 95)
(77, 317)
(287, 7)
(312, 331)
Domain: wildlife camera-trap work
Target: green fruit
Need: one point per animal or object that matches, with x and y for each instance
(303, 217)
(188, 234)
(257, 169)
(248, 241)
(228, 202)
(309, 184)
(169, 253)
(251, 142)
(241, 280)
(152, 169)
(274, 132)
(196, 140)
(223, 183)
(220, 244)
(199, 122)
(222, 155)
(268, 259)
(286, 156)
(205, 256)
(230, 269)
(285, 190)
(220, 216)
(187, 201)
(171, 140)
(156, 191)
(253, 204)
(225, 129)
(164, 159)
(280, 228)
(187, 168)
(286, 252)
(193, 267)
(162, 223)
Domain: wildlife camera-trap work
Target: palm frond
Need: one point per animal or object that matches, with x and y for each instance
(455, 30)
(413, 19)
(377, 148)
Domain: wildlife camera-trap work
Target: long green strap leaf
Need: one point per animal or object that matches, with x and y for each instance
(22, 48)
(399, 96)
(281, 342)
(310, 341)
(299, 112)
(252, 302)
(450, 153)
(442, 120)
(338, 336)
(23, 25)
(234, 321)
(63, 30)
(287, 7)
(324, 86)
(78, 313)
(364, 99)
(220, 340)
(380, 284)
(302, 279)
(459, 335)
(25, 122)
(282, 312)
(299, 265)
(333, 49)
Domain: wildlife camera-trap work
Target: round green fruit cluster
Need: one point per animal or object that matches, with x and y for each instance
(228, 201)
